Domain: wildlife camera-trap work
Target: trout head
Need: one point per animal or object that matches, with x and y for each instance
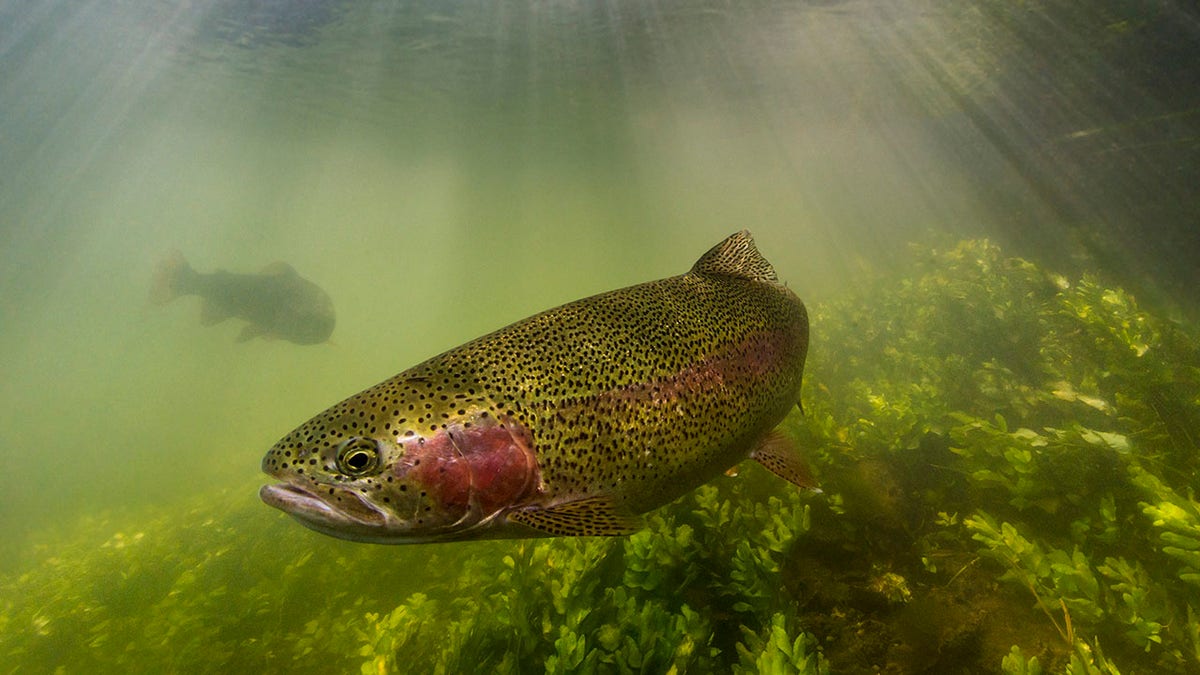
(351, 473)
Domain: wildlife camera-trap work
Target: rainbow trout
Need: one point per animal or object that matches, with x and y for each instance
(277, 303)
(571, 422)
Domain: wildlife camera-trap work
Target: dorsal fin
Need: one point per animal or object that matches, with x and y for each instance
(736, 257)
(278, 268)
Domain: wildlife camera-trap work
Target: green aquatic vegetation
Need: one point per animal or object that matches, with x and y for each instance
(891, 586)
(642, 638)
(751, 580)
(776, 651)
(660, 556)
(503, 607)
(550, 605)
(1142, 608)
(1015, 663)
(1088, 659)
(1051, 470)
(1057, 579)
(1007, 459)
(1177, 520)
(1192, 630)
(1114, 592)
(1027, 398)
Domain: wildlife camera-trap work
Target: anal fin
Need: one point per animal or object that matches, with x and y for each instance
(588, 517)
(779, 455)
(251, 331)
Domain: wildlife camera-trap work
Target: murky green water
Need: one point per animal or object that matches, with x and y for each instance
(1007, 448)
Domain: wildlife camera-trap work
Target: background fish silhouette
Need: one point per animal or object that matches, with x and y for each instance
(276, 303)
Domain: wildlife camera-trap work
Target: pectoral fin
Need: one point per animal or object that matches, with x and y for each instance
(590, 517)
(779, 455)
(251, 331)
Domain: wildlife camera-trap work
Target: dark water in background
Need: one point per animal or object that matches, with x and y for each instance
(442, 168)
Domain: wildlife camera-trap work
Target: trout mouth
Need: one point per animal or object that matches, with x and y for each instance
(357, 520)
(342, 513)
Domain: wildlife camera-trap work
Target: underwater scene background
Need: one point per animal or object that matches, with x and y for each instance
(990, 209)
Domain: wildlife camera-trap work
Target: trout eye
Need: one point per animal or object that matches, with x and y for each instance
(357, 456)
